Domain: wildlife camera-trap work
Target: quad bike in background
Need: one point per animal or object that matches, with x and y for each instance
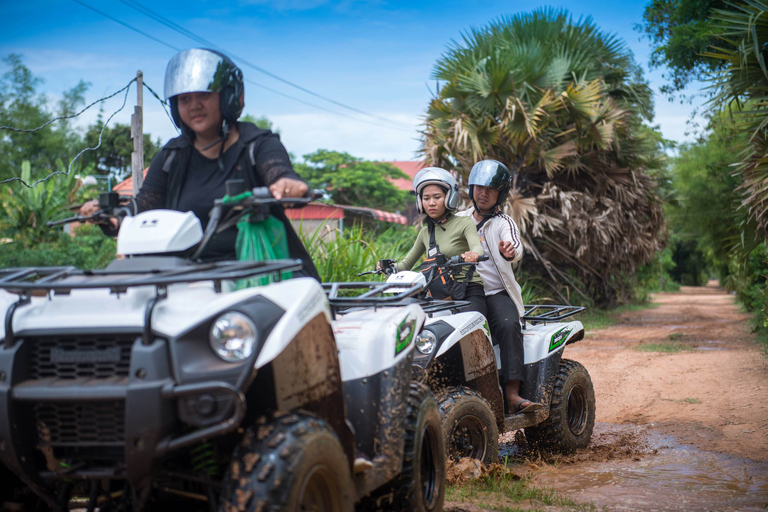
(159, 383)
(458, 361)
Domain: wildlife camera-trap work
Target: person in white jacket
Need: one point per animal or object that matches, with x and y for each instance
(489, 183)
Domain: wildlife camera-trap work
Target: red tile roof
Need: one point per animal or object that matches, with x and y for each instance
(315, 211)
(125, 187)
(410, 168)
(319, 211)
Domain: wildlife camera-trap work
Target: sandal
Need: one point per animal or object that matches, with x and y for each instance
(525, 405)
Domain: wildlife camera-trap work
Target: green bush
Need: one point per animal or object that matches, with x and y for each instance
(88, 249)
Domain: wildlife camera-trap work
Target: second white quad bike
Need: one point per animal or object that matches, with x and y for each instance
(458, 361)
(157, 384)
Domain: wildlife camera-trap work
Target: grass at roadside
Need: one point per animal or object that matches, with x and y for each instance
(509, 493)
(594, 319)
(664, 347)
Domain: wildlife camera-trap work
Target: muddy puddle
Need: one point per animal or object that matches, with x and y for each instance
(635, 468)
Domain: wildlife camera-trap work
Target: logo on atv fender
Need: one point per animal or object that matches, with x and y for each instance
(472, 326)
(559, 337)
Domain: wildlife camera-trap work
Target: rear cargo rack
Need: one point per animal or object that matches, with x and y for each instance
(545, 313)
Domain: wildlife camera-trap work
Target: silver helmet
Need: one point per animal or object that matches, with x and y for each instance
(203, 70)
(441, 178)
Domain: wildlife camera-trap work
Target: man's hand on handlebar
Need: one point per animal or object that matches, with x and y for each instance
(470, 257)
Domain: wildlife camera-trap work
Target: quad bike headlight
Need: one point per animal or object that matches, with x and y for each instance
(233, 337)
(426, 341)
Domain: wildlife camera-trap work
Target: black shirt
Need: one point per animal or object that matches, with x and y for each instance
(205, 183)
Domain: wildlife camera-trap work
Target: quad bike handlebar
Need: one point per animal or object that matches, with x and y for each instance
(109, 208)
(387, 266)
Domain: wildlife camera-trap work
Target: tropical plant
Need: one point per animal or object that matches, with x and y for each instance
(25, 211)
(340, 255)
(562, 103)
(742, 87)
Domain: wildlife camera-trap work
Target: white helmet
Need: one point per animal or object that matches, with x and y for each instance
(441, 178)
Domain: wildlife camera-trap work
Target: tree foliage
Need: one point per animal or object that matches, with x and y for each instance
(681, 32)
(561, 102)
(113, 156)
(742, 88)
(353, 181)
(23, 107)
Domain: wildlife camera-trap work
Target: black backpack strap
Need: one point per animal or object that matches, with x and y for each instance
(431, 228)
(169, 159)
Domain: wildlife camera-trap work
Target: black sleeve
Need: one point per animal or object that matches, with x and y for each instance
(155, 186)
(271, 160)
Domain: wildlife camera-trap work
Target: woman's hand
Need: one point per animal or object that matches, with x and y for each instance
(470, 257)
(91, 207)
(88, 209)
(287, 187)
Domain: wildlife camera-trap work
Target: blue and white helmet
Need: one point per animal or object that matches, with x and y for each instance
(441, 178)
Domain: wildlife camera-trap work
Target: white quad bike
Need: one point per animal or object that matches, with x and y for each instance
(458, 361)
(157, 384)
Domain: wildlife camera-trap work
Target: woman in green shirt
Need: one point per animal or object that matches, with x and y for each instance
(437, 195)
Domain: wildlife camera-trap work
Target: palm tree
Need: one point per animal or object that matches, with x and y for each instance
(562, 103)
(741, 86)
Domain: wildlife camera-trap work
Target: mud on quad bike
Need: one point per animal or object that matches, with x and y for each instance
(458, 361)
(156, 383)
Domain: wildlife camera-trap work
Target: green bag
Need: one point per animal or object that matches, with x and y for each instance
(261, 241)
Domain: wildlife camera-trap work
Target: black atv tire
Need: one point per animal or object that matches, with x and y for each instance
(289, 464)
(469, 425)
(420, 486)
(571, 412)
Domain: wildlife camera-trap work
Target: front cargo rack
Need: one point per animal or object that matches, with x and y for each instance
(374, 297)
(120, 275)
(541, 313)
(130, 273)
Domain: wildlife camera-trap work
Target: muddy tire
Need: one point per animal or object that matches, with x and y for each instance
(469, 425)
(289, 464)
(420, 486)
(571, 412)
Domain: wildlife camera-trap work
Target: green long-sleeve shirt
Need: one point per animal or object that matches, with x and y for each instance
(457, 236)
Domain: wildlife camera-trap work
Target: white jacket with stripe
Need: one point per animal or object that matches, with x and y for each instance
(502, 227)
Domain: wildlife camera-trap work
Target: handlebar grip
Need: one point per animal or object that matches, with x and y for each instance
(52, 224)
(484, 257)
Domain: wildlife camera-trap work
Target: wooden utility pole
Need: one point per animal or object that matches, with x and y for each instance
(137, 134)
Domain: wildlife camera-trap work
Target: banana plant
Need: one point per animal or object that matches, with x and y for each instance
(24, 211)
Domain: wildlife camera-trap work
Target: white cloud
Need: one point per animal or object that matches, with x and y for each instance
(305, 133)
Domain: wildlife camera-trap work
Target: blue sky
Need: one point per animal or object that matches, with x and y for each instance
(373, 55)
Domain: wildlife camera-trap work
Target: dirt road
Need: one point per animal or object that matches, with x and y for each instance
(682, 430)
(714, 396)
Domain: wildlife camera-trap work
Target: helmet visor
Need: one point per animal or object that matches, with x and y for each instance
(196, 70)
(489, 174)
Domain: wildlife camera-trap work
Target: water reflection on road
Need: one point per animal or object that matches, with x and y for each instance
(660, 475)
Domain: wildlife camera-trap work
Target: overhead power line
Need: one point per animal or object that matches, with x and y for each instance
(199, 39)
(205, 42)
